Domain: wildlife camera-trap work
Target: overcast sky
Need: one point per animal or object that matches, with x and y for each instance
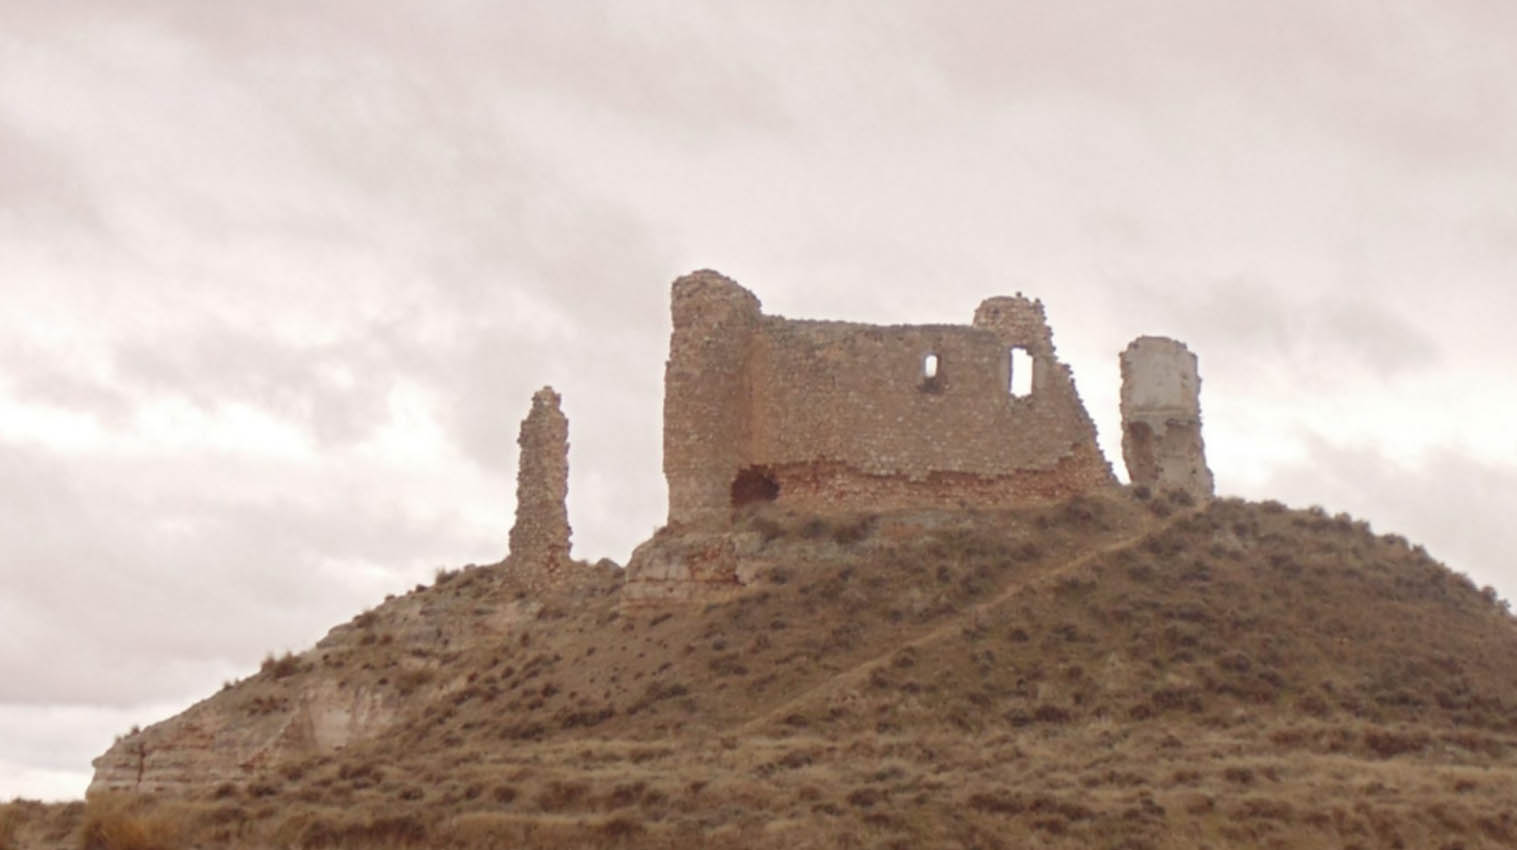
(277, 279)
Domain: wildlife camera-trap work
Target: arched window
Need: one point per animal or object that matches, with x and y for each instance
(930, 366)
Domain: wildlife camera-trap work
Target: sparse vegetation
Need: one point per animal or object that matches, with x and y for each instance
(1091, 673)
(281, 666)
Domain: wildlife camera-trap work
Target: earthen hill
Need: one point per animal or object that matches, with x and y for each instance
(900, 601)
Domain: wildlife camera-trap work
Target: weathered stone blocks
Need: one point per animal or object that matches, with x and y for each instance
(837, 416)
(540, 536)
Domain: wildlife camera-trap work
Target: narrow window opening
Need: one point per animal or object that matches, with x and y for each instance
(930, 366)
(1020, 367)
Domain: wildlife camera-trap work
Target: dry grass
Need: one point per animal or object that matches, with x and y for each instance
(10, 825)
(1103, 673)
(124, 822)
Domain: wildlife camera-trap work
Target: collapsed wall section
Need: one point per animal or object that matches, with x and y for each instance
(540, 536)
(1161, 417)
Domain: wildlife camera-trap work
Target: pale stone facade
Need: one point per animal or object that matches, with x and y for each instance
(1161, 417)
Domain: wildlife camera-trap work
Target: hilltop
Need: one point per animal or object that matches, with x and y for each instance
(1103, 672)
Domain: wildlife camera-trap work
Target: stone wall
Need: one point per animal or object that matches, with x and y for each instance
(540, 537)
(839, 417)
(707, 399)
(1161, 417)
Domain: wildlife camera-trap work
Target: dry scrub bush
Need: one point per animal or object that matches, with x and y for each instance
(120, 822)
(10, 824)
(285, 665)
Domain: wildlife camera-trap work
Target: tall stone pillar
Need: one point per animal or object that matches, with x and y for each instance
(1161, 418)
(540, 537)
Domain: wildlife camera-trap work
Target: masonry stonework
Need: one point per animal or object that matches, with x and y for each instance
(1161, 417)
(540, 537)
(833, 417)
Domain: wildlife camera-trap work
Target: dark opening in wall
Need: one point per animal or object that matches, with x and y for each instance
(754, 484)
(1020, 367)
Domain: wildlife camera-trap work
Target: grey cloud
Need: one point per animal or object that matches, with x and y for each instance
(1456, 505)
(63, 738)
(39, 187)
(1247, 328)
(140, 585)
(295, 383)
(674, 69)
(1387, 343)
(1382, 78)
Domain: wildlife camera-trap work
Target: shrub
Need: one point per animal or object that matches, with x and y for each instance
(409, 681)
(1239, 775)
(279, 668)
(864, 797)
(558, 795)
(853, 531)
(1000, 802)
(1048, 713)
(110, 823)
(10, 824)
(622, 827)
(380, 832)
(1386, 743)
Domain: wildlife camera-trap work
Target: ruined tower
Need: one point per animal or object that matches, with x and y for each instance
(707, 398)
(1161, 417)
(540, 537)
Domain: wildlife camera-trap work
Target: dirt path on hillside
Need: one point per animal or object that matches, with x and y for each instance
(956, 624)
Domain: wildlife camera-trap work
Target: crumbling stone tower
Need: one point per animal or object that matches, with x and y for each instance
(1161, 417)
(540, 537)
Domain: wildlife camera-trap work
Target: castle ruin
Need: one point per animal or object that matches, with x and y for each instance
(828, 417)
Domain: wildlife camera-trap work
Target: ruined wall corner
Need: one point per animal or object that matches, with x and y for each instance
(707, 405)
(1020, 321)
(1161, 417)
(706, 294)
